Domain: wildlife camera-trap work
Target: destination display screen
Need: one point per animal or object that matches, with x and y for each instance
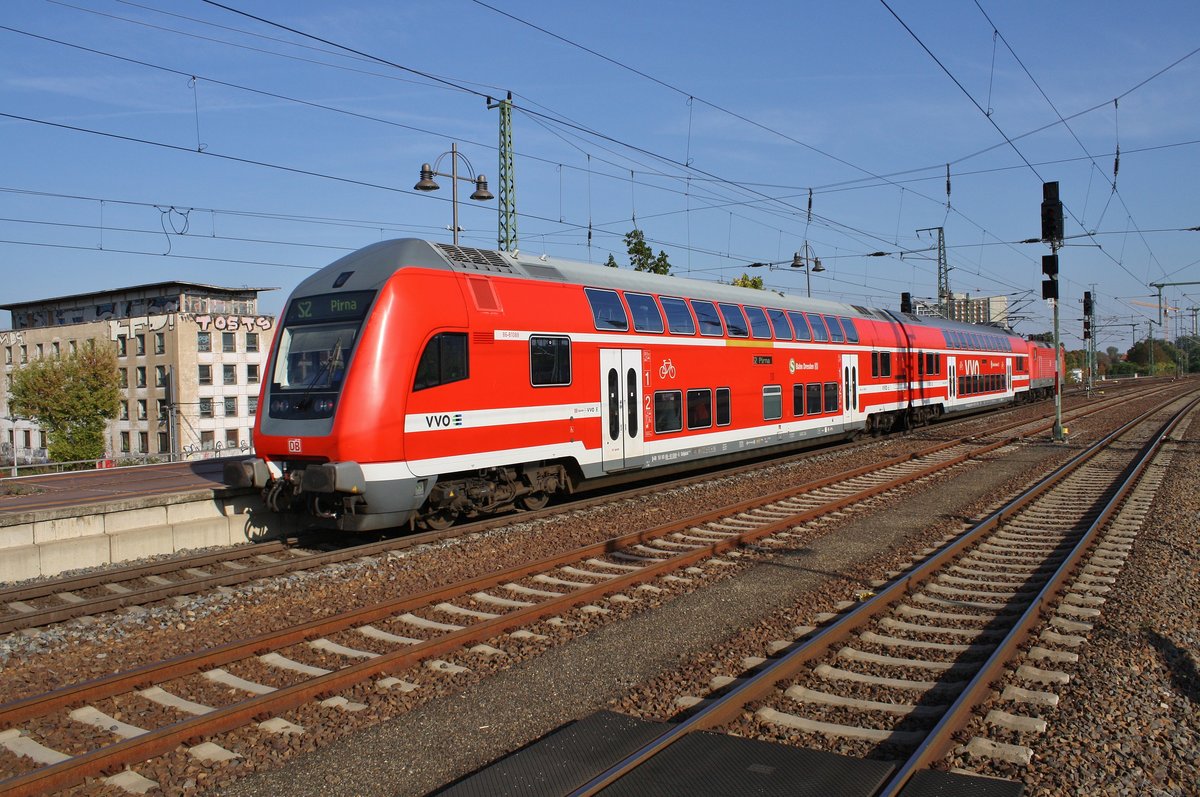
(329, 307)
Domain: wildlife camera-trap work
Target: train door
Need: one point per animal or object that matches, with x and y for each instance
(850, 412)
(951, 379)
(621, 406)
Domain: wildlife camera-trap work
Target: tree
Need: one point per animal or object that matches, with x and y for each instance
(641, 256)
(72, 398)
(746, 281)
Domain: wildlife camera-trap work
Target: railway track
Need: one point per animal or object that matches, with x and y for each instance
(896, 677)
(96, 728)
(49, 601)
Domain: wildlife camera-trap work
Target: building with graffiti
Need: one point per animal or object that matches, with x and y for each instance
(189, 356)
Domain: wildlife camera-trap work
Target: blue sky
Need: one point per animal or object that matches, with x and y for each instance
(285, 152)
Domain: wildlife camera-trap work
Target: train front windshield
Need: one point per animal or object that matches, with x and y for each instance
(318, 339)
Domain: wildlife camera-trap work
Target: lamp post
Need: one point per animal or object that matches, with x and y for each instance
(809, 263)
(426, 183)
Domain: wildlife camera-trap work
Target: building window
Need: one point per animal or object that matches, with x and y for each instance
(122, 348)
(229, 374)
(228, 342)
(40, 351)
(140, 345)
(206, 374)
(141, 376)
(160, 343)
(24, 354)
(125, 442)
(8, 355)
(144, 442)
(252, 406)
(251, 341)
(164, 443)
(206, 440)
(160, 376)
(206, 409)
(252, 374)
(141, 409)
(28, 436)
(55, 348)
(230, 406)
(203, 341)
(72, 346)
(161, 409)
(231, 438)
(123, 377)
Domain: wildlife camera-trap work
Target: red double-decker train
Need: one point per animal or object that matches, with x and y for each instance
(421, 382)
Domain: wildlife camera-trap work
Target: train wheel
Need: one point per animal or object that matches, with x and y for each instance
(440, 520)
(533, 501)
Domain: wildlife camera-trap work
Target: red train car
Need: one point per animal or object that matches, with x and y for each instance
(414, 381)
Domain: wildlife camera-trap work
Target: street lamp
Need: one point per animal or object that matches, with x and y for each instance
(809, 263)
(426, 183)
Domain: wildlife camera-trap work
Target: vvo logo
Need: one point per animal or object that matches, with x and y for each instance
(293, 445)
(444, 421)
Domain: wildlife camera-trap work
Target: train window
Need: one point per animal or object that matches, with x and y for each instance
(831, 397)
(646, 317)
(813, 394)
(632, 405)
(706, 314)
(851, 330)
(443, 361)
(314, 356)
(779, 324)
(679, 319)
(607, 311)
(835, 329)
(699, 409)
(724, 413)
(820, 331)
(920, 364)
(885, 363)
(735, 321)
(772, 402)
(800, 324)
(614, 404)
(549, 361)
(668, 415)
(797, 400)
(874, 363)
(759, 327)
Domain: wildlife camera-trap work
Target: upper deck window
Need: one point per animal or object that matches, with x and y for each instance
(851, 330)
(759, 327)
(820, 331)
(835, 329)
(800, 324)
(735, 322)
(607, 311)
(679, 318)
(779, 323)
(706, 314)
(646, 317)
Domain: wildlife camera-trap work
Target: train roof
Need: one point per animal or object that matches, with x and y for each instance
(375, 264)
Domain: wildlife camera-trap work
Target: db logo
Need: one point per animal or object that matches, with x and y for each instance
(293, 445)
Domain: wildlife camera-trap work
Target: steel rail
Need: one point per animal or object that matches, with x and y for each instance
(728, 707)
(156, 742)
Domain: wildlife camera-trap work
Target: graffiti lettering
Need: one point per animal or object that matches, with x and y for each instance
(230, 323)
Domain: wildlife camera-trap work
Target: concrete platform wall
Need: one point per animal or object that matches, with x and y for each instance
(49, 543)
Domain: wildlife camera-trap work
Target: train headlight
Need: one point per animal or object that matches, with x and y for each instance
(280, 406)
(323, 406)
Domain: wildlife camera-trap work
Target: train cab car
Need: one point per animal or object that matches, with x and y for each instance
(420, 382)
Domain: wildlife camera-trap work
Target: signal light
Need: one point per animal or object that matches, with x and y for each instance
(1087, 329)
(1050, 266)
(1052, 213)
(1050, 289)
(1087, 304)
